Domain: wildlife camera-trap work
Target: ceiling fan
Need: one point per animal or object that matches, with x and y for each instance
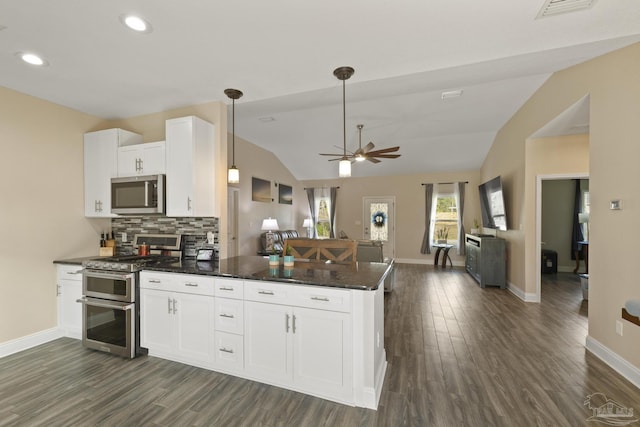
(361, 154)
(367, 152)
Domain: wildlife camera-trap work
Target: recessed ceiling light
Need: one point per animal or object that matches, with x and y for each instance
(452, 94)
(32, 58)
(136, 23)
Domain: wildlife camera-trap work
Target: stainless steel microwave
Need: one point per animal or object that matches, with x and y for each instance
(138, 195)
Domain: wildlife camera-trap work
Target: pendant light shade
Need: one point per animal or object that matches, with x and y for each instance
(233, 176)
(344, 167)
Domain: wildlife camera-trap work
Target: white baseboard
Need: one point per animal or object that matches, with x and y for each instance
(526, 297)
(426, 261)
(620, 365)
(26, 342)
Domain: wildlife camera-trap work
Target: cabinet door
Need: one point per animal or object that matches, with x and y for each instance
(153, 158)
(157, 322)
(194, 317)
(179, 167)
(268, 341)
(69, 309)
(100, 165)
(322, 352)
(128, 160)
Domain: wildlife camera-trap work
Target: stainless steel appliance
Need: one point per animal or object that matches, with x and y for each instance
(136, 195)
(111, 295)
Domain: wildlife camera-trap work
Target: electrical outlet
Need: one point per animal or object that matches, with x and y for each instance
(619, 327)
(124, 237)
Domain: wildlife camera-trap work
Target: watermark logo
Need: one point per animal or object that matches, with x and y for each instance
(608, 411)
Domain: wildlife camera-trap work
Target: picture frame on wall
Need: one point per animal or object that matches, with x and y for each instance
(285, 194)
(260, 190)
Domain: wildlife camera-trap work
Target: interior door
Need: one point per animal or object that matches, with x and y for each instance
(232, 221)
(379, 222)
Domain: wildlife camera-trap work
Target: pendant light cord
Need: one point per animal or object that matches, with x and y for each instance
(233, 133)
(344, 121)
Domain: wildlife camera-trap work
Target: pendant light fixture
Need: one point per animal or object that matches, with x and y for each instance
(233, 176)
(344, 167)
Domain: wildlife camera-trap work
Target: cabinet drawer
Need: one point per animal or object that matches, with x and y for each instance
(322, 298)
(275, 293)
(229, 315)
(69, 272)
(229, 350)
(185, 283)
(229, 288)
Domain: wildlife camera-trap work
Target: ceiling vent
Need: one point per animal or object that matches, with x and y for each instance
(556, 7)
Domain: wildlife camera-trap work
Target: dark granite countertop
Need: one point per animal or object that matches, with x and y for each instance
(75, 261)
(360, 275)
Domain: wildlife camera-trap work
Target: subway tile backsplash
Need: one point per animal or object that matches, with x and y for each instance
(194, 231)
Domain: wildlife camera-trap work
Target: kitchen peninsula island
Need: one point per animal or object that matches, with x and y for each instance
(316, 328)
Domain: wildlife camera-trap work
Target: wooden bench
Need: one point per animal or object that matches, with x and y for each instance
(339, 250)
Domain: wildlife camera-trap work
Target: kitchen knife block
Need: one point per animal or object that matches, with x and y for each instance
(109, 249)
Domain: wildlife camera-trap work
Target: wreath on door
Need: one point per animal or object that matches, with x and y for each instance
(379, 219)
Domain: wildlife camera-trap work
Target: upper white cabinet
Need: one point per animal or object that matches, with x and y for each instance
(190, 168)
(141, 159)
(100, 165)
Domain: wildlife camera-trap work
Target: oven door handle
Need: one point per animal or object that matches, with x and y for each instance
(100, 303)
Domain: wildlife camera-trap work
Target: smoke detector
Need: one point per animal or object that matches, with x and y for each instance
(556, 7)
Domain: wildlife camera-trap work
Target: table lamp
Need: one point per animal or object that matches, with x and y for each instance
(269, 225)
(308, 225)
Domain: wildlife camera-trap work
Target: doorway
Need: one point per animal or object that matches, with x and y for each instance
(378, 222)
(232, 221)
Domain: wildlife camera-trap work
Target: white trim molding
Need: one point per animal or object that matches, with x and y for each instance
(29, 341)
(620, 365)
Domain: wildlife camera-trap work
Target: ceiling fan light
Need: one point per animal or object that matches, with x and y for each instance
(344, 168)
(360, 158)
(233, 176)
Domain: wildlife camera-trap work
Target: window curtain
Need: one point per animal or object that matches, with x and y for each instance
(576, 234)
(311, 196)
(428, 205)
(459, 192)
(333, 192)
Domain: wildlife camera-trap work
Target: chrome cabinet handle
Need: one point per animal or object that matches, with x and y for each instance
(224, 288)
(168, 305)
(294, 323)
(265, 292)
(286, 323)
(58, 293)
(195, 285)
(226, 350)
(175, 306)
(320, 299)
(228, 316)
(188, 203)
(154, 281)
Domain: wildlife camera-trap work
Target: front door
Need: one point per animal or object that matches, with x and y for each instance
(379, 222)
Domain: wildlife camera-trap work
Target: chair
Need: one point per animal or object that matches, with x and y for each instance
(339, 250)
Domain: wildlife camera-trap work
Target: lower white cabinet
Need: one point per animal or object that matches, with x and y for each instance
(176, 317)
(69, 290)
(308, 349)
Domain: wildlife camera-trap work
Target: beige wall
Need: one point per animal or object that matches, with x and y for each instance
(253, 161)
(614, 89)
(410, 202)
(41, 209)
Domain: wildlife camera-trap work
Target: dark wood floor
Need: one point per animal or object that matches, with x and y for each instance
(458, 356)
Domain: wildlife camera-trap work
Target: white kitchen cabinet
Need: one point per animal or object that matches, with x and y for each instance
(176, 317)
(229, 325)
(141, 159)
(307, 348)
(100, 165)
(190, 168)
(69, 290)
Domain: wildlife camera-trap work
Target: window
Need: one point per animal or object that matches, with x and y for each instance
(583, 217)
(323, 225)
(445, 219)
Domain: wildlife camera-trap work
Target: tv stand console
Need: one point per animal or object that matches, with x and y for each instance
(485, 260)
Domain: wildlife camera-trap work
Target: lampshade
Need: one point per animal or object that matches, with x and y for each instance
(270, 224)
(233, 176)
(307, 223)
(344, 168)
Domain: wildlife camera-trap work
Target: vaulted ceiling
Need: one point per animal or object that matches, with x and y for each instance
(282, 54)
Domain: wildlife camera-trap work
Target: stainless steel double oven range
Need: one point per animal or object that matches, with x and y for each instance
(111, 295)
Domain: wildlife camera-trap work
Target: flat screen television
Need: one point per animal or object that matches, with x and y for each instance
(492, 207)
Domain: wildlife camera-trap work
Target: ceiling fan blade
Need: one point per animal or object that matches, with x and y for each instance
(383, 151)
(368, 147)
(327, 154)
(373, 160)
(387, 156)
